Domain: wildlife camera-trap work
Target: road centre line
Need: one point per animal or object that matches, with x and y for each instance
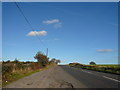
(86, 71)
(111, 79)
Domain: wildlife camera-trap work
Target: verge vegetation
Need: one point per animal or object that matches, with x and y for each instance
(14, 70)
(115, 69)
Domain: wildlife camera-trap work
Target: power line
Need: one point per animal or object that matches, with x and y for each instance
(28, 22)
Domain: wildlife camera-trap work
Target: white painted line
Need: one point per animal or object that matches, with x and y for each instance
(111, 79)
(90, 72)
(87, 72)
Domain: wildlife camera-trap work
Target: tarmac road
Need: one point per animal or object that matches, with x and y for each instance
(67, 77)
(93, 79)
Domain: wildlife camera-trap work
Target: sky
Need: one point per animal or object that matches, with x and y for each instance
(61, 0)
(72, 32)
(0, 31)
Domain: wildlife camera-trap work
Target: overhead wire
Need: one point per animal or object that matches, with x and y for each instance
(19, 8)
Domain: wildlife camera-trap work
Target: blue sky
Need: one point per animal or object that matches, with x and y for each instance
(73, 32)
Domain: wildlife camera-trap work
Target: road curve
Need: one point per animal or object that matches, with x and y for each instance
(93, 79)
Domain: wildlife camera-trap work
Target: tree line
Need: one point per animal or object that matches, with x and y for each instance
(42, 59)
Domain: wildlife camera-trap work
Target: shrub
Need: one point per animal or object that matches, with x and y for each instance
(92, 63)
(7, 68)
(42, 59)
(54, 61)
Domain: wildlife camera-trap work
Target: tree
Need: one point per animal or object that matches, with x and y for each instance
(57, 61)
(41, 58)
(16, 60)
(52, 61)
(92, 63)
(8, 61)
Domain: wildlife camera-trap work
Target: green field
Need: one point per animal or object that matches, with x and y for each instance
(111, 65)
(106, 65)
(108, 68)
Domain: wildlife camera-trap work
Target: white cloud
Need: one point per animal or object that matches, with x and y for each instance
(39, 33)
(51, 21)
(55, 22)
(104, 50)
(58, 25)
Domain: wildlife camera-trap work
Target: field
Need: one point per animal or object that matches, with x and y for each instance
(108, 68)
(108, 65)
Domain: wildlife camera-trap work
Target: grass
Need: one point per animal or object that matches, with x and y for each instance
(108, 65)
(108, 68)
(18, 75)
(15, 76)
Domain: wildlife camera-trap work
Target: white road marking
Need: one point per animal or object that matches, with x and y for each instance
(111, 79)
(87, 71)
(102, 76)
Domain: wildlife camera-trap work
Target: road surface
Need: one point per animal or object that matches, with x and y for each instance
(54, 77)
(67, 77)
(93, 79)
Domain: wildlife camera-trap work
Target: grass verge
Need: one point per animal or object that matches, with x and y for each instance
(113, 69)
(18, 75)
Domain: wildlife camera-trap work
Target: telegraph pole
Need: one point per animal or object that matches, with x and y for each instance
(47, 52)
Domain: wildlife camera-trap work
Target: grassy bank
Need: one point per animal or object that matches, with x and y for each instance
(14, 71)
(114, 69)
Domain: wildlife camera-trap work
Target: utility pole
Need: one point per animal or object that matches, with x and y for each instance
(47, 52)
